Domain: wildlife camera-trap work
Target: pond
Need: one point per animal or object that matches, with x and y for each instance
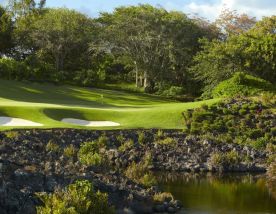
(228, 193)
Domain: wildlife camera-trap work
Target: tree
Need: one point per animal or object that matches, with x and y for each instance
(159, 43)
(232, 23)
(60, 37)
(6, 27)
(253, 52)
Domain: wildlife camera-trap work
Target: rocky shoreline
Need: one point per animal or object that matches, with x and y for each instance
(27, 167)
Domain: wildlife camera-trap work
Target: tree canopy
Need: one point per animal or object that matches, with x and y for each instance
(163, 52)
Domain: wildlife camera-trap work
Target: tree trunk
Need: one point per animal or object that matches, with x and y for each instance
(136, 77)
(145, 79)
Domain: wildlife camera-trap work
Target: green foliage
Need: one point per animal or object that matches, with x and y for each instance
(77, 198)
(235, 120)
(166, 141)
(89, 154)
(52, 146)
(5, 31)
(225, 159)
(140, 173)
(145, 32)
(259, 143)
(70, 151)
(241, 84)
(255, 133)
(252, 52)
(141, 137)
(173, 91)
(12, 134)
(126, 146)
(163, 196)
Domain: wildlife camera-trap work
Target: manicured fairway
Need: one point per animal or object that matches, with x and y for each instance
(49, 104)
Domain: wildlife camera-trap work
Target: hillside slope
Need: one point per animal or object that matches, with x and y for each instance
(49, 104)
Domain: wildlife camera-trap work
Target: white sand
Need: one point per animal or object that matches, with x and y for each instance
(11, 121)
(89, 123)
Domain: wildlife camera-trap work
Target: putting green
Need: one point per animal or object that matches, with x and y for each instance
(48, 104)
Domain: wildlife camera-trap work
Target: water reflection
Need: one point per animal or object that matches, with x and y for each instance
(214, 193)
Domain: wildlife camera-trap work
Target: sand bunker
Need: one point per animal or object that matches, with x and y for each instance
(89, 123)
(11, 121)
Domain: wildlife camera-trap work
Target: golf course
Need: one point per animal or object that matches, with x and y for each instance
(48, 104)
(131, 107)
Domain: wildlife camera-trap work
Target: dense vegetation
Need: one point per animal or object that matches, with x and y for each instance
(240, 84)
(238, 120)
(167, 53)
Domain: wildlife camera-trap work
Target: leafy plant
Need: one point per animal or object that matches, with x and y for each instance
(89, 154)
(78, 197)
(52, 146)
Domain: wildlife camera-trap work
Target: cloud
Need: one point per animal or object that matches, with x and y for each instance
(211, 10)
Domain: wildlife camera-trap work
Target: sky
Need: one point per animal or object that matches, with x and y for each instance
(209, 9)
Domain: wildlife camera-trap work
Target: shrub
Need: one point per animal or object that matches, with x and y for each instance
(255, 133)
(89, 154)
(259, 143)
(173, 91)
(120, 138)
(52, 147)
(141, 137)
(195, 127)
(273, 131)
(126, 146)
(102, 141)
(139, 172)
(160, 134)
(166, 141)
(242, 112)
(241, 84)
(78, 197)
(225, 159)
(162, 196)
(12, 134)
(199, 116)
(70, 151)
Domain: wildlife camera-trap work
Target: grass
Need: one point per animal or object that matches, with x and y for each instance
(48, 104)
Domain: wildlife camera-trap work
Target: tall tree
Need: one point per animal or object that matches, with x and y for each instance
(160, 43)
(6, 27)
(253, 52)
(61, 37)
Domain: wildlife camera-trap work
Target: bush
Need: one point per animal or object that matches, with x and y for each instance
(166, 141)
(139, 172)
(242, 112)
(78, 197)
(242, 84)
(173, 91)
(162, 196)
(225, 159)
(70, 151)
(195, 128)
(12, 134)
(255, 133)
(89, 154)
(141, 137)
(259, 143)
(52, 147)
(126, 146)
(273, 131)
(12, 69)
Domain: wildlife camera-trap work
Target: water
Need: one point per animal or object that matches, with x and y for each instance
(221, 194)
